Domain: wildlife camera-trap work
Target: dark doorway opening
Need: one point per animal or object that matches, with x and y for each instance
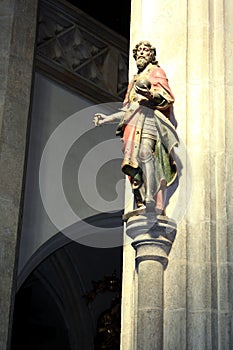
(38, 324)
(70, 301)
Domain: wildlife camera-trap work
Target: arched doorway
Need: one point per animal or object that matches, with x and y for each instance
(60, 303)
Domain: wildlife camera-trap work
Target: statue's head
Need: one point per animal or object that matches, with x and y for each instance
(144, 53)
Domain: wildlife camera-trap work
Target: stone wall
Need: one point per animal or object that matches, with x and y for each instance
(17, 39)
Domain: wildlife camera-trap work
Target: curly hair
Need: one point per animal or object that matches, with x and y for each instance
(152, 50)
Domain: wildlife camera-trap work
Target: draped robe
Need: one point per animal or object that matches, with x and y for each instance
(136, 108)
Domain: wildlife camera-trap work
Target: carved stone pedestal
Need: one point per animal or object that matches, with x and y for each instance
(152, 240)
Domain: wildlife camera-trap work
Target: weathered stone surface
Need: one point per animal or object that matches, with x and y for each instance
(17, 50)
(150, 305)
(175, 329)
(150, 334)
(199, 335)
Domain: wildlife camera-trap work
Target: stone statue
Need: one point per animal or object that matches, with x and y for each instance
(148, 135)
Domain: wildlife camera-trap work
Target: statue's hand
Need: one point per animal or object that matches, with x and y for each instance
(99, 119)
(142, 87)
(156, 97)
(144, 91)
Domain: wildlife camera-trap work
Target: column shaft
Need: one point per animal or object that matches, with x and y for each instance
(150, 306)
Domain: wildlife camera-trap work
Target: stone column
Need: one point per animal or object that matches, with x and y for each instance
(152, 240)
(194, 46)
(17, 36)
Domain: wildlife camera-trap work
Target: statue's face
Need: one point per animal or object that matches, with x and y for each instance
(143, 56)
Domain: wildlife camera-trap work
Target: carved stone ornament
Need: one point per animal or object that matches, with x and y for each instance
(74, 49)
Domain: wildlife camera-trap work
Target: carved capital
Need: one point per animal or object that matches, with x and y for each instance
(152, 237)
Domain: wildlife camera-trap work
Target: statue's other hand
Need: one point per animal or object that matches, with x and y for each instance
(99, 119)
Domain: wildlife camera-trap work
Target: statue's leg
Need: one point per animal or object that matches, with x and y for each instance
(161, 198)
(146, 158)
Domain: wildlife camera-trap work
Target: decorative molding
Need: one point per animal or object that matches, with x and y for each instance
(81, 53)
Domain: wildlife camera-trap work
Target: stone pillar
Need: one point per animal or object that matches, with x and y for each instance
(194, 46)
(152, 240)
(17, 36)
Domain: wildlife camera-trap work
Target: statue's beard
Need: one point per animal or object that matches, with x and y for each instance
(142, 63)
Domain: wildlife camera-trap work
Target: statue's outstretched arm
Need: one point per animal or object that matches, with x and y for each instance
(100, 118)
